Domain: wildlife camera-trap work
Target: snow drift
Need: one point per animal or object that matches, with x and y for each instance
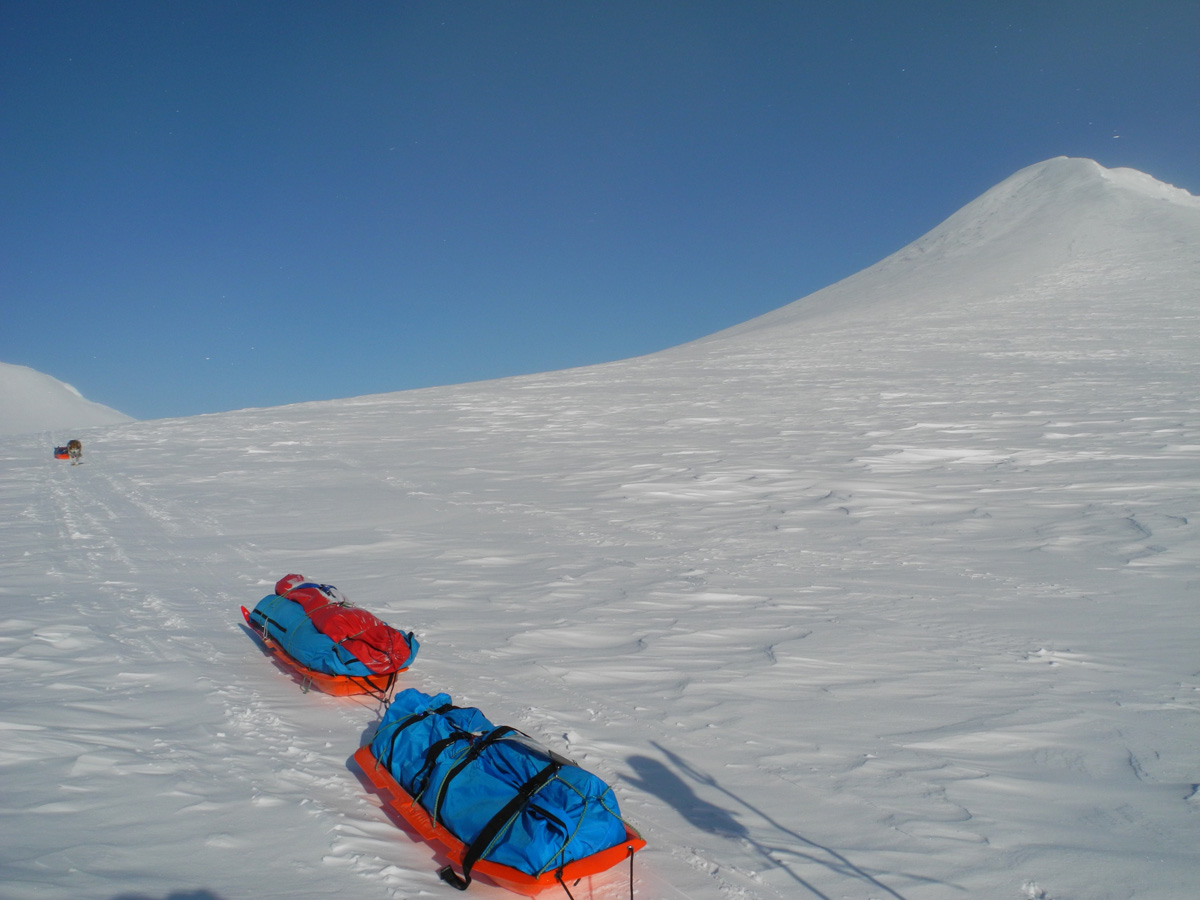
(889, 594)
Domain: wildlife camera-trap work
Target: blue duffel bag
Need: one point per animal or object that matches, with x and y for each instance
(507, 798)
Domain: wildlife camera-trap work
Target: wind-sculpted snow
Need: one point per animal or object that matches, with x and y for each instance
(880, 607)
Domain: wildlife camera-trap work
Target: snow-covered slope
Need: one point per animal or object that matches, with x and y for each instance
(894, 602)
(32, 401)
(1061, 220)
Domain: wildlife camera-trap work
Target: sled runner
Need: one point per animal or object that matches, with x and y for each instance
(326, 642)
(497, 803)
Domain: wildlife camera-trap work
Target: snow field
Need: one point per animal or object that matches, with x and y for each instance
(897, 601)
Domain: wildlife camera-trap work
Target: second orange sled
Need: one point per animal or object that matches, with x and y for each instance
(336, 685)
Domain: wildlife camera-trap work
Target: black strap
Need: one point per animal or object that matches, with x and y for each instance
(476, 748)
(412, 720)
(267, 620)
(368, 688)
(496, 826)
(431, 757)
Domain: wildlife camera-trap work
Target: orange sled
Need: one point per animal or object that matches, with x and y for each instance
(398, 800)
(337, 685)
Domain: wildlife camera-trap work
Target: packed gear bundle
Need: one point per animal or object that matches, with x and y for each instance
(331, 644)
(502, 805)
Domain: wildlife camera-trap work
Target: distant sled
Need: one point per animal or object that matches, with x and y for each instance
(496, 803)
(325, 642)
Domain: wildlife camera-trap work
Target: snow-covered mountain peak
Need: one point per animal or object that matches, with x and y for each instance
(1060, 193)
(1055, 220)
(1136, 180)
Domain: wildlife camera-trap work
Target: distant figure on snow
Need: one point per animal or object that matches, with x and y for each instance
(75, 451)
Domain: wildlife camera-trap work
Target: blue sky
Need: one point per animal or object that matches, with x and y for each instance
(212, 205)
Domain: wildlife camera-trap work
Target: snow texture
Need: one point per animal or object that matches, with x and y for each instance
(888, 595)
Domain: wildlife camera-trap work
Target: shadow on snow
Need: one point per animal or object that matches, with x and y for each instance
(674, 787)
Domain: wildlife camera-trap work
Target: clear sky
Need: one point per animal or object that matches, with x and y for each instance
(213, 205)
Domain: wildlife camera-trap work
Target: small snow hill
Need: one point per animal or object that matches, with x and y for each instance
(32, 401)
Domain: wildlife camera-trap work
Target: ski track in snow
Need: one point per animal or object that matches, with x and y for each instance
(840, 615)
